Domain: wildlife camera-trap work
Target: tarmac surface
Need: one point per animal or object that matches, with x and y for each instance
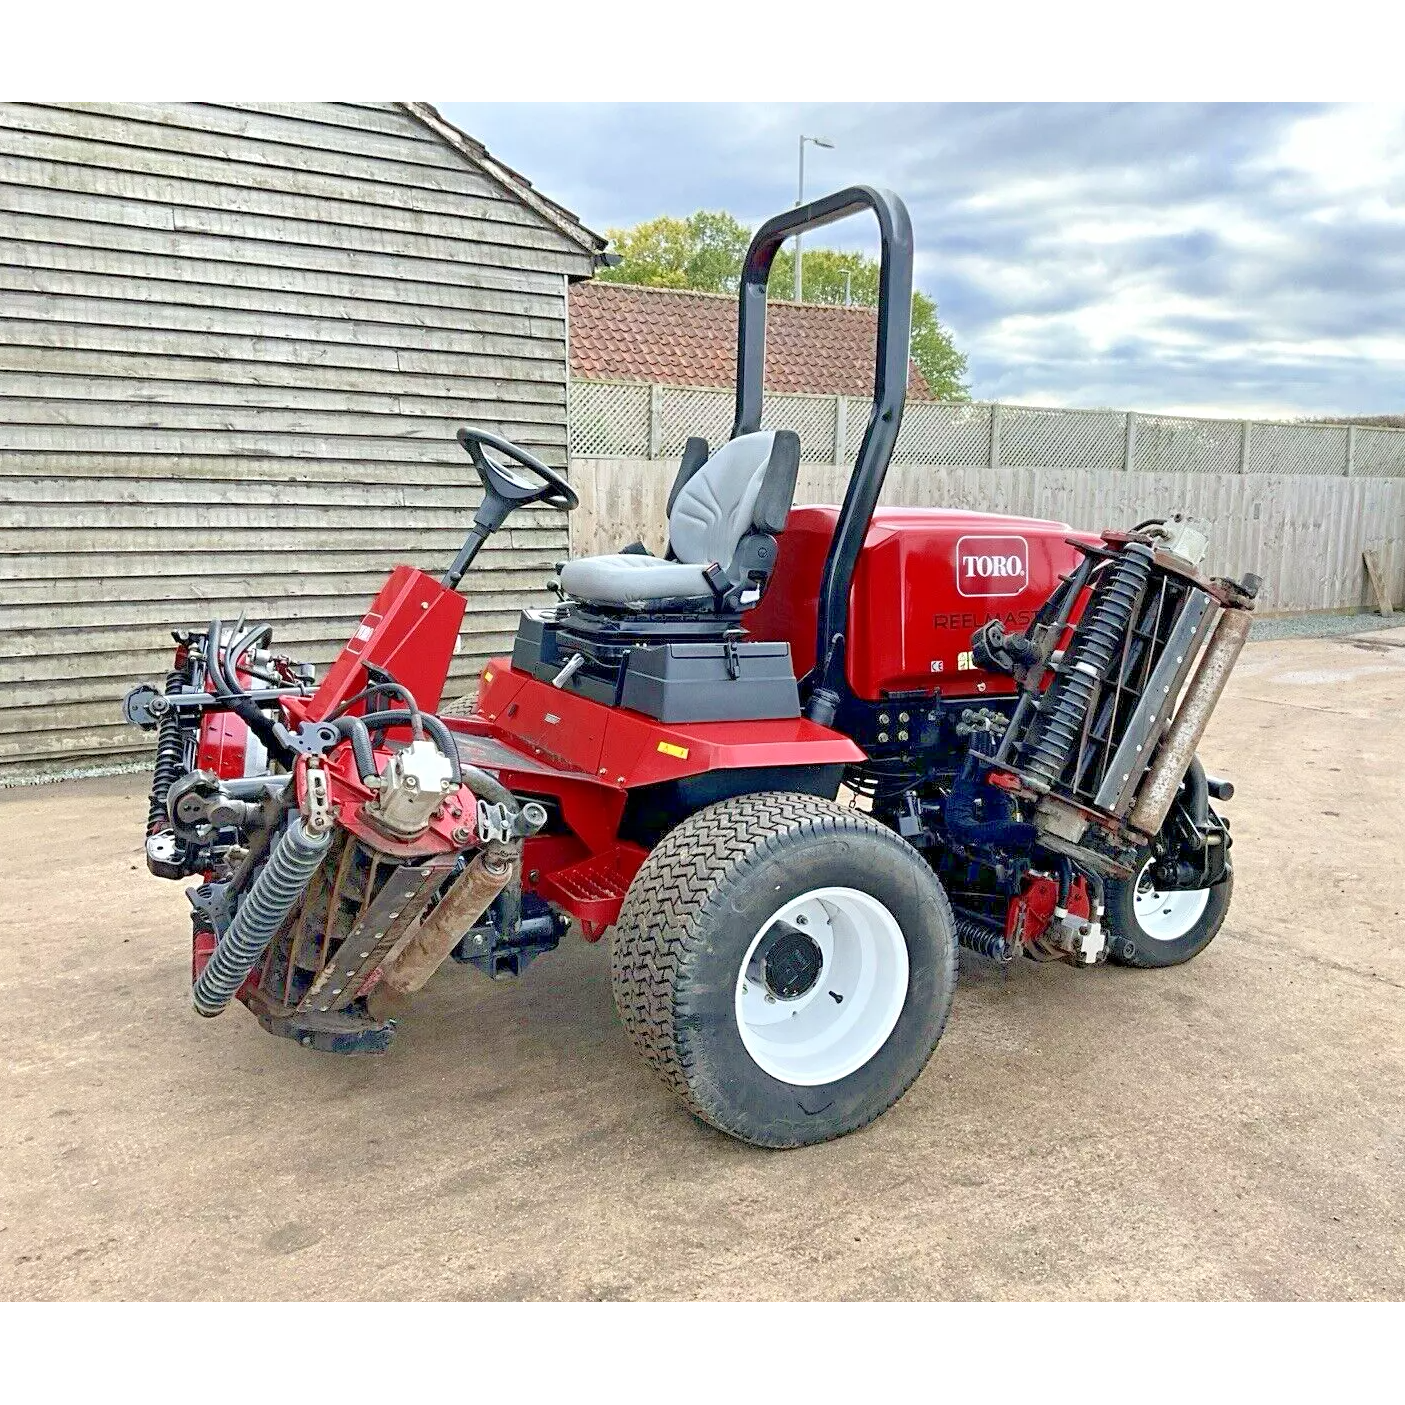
(1232, 1128)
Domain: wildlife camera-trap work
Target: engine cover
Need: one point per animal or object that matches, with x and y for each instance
(926, 579)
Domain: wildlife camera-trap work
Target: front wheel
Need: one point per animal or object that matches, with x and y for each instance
(1150, 926)
(786, 965)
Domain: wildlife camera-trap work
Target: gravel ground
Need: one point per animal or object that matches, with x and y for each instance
(1320, 626)
(1230, 1128)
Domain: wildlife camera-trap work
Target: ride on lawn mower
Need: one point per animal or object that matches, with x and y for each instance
(792, 764)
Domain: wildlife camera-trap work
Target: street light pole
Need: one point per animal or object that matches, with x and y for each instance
(800, 200)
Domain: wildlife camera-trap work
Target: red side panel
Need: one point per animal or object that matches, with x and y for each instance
(626, 749)
(410, 629)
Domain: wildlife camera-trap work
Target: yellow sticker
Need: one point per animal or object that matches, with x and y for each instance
(668, 749)
(487, 675)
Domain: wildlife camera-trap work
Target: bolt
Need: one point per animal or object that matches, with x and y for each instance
(770, 999)
(461, 835)
(902, 736)
(882, 736)
(801, 920)
(902, 717)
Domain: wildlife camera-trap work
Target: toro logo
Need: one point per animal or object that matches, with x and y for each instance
(992, 565)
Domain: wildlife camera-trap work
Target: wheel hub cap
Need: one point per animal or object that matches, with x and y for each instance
(792, 963)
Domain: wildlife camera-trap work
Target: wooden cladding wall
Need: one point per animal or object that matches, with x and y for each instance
(235, 344)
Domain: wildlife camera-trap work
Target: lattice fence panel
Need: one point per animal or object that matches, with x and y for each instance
(684, 413)
(1380, 453)
(609, 419)
(1297, 448)
(810, 416)
(1168, 444)
(934, 432)
(1031, 438)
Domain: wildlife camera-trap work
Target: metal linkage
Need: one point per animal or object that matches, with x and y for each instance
(294, 859)
(1101, 634)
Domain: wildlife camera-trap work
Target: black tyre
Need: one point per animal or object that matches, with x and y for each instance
(786, 965)
(1148, 927)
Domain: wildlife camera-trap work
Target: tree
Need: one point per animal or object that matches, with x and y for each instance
(705, 252)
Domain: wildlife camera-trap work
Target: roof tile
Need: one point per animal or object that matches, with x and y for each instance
(623, 332)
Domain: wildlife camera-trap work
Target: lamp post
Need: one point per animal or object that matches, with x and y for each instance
(800, 200)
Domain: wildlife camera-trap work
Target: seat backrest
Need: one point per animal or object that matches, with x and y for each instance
(747, 485)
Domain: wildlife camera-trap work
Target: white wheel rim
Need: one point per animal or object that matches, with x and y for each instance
(838, 1023)
(1163, 916)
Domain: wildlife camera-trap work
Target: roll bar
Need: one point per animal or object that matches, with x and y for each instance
(827, 682)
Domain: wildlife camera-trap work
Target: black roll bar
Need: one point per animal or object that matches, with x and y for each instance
(827, 681)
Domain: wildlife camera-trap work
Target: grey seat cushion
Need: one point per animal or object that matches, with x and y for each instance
(633, 580)
(710, 515)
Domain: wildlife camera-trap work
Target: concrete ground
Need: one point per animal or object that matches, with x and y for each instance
(1234, 1128)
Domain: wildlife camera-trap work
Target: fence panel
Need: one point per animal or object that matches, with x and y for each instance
(1170, 444)
(1313, 449)
(810, 416)
(1380, 453)
(1035, 438)
(609, 418)
(686, 413)
(618, 420)
(935, 432)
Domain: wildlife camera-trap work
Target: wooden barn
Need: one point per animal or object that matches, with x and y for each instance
(235, 343)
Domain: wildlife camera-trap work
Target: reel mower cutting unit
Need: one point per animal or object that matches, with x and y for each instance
(789, 765)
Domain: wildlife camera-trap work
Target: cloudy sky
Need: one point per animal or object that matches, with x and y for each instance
(1240, 259)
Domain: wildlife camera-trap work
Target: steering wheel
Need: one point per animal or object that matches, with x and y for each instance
(523, 479)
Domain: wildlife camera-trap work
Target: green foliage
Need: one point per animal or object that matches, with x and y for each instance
(705, 251)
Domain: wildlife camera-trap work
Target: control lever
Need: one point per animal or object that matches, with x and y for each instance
(573, 667)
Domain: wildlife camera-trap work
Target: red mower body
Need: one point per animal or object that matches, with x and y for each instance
(927, 578)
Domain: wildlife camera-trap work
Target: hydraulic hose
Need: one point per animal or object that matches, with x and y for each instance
(354, 730)
(293, 860)
(248, 640)
(443, 737)
(393, 689)
(238, 704)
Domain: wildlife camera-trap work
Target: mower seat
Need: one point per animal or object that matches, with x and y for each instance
(724, 514)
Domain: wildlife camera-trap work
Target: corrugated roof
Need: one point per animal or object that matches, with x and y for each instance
(675, 337)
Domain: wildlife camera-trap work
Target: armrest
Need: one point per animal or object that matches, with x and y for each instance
(778, 487)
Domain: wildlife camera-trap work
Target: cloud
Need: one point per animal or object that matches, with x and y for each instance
(1232, 258)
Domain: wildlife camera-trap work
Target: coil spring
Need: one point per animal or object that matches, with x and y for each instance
(170, 761)
(985, 941)
(294, 859)
(1095, 643)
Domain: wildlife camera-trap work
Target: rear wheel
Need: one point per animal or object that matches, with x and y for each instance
(786, 965)
(1151, 926)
